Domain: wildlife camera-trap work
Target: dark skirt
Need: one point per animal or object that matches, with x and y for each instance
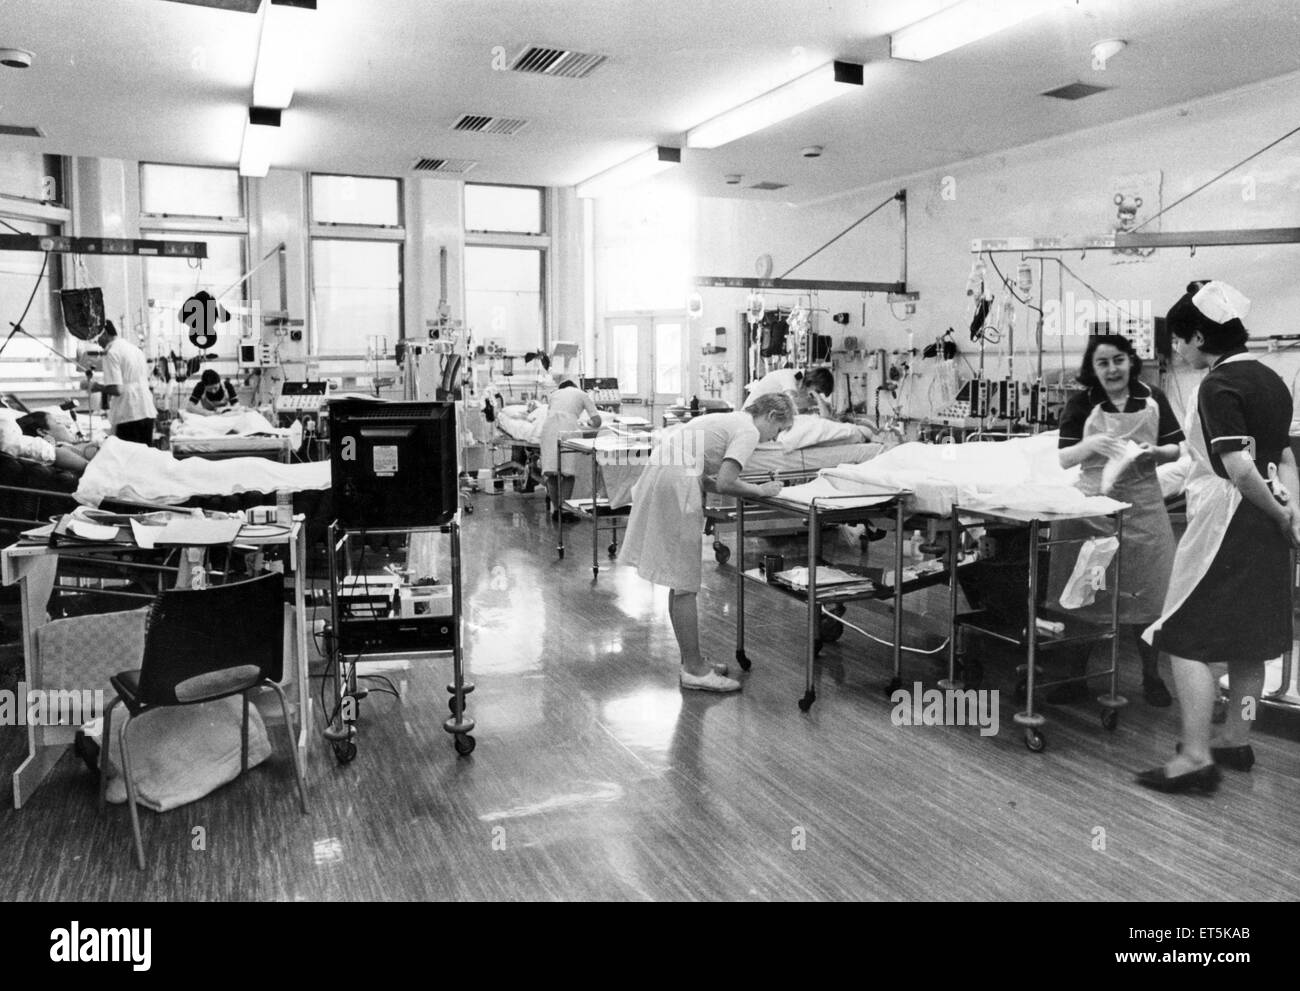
(1241, 608)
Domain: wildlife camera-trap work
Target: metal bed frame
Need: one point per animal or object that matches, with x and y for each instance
(825, 607)
(1031, 639)
(603, 517)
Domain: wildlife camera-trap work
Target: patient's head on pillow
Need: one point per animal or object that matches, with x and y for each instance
(820, 380)
(41, 424)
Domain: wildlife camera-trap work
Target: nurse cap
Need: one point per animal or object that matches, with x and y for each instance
(1220, 302)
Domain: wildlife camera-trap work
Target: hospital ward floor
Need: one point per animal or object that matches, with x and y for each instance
(596, 777)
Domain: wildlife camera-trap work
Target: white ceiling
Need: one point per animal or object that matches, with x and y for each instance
(384, 79)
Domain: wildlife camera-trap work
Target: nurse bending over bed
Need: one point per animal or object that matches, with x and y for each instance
(663, 537)
(565, 407)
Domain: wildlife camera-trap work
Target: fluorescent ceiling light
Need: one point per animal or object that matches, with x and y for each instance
(639, 167)
(961, 24)
(279, 52)
(260, 131)
(804, 93)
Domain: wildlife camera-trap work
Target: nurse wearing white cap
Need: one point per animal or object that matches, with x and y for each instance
(1229, 597)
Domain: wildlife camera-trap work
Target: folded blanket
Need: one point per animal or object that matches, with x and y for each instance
(133, 472)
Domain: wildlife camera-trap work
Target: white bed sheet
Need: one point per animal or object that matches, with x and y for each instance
(1022, 473)
(142, 474)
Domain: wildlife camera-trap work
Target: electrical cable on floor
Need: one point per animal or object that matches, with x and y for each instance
(913, 650)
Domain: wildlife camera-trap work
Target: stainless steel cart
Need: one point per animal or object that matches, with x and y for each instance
(1031, 639)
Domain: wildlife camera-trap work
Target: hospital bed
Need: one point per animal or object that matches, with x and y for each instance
(518, 430)
(776, 461)
(613, 460)
(242, 434)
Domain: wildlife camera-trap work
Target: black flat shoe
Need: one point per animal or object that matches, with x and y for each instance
(1204, 780)
(88, 750)
(1156, 694)
(1238, 758)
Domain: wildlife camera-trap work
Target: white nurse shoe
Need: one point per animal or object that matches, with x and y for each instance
(711, 682)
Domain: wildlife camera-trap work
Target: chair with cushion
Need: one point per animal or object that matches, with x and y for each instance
(202, 645)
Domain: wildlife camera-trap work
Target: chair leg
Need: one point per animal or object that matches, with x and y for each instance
(243, 738)
(130, 793)
(293, 744)
(106, 744)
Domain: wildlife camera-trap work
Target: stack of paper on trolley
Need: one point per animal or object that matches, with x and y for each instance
(826, 576)
(186, 531)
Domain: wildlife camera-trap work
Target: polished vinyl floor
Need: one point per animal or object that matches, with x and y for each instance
(595, 777)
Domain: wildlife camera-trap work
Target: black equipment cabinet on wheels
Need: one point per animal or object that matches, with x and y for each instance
(383, 636)
(393, 471)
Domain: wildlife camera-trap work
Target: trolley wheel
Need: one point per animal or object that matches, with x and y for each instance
(808, 699)
(721, 553)
(560, 551)
(1035, 741)
(1219, 715)
(451, 704)
(893, 685)
(595, 573)
(1109, 719)
(464, 744)
(743, 661)
(345, 752)
(469, 509)
(613, 549)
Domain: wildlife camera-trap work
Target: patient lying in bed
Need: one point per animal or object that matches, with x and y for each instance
(141, 474)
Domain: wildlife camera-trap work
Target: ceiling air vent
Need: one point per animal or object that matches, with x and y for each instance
(557, 62)
(448, 166)
(1075, 91)
(769, 185)
(18, 131)
(480, 124)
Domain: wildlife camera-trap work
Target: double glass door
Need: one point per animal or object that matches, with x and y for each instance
(647, 353)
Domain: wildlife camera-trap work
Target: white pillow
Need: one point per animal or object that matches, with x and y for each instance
(809, 431)
(17, 444)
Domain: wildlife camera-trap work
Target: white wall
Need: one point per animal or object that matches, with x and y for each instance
(1062, 186)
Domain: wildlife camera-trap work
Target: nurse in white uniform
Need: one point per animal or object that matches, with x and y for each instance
(564, 410)
(809, 391)
(663, 537)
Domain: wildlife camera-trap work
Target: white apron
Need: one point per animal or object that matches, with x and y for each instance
(1147, 557)
(1228, 579)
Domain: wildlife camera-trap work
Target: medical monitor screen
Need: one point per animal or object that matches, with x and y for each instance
(393, 464)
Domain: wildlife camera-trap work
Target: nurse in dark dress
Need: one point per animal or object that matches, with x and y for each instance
(1229, 597)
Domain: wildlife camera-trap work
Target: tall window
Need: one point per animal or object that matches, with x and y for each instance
(356, 262)
(187, 203)
(506, 247)
(32, 202)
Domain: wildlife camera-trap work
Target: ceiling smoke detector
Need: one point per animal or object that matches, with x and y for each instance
(733, 179)
(812, 151)
(15, 58)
